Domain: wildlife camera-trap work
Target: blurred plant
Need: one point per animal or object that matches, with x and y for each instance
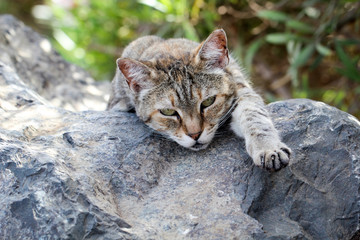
(91, 33)
(312, 35)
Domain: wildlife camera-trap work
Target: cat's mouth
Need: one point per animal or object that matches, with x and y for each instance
(199, 146)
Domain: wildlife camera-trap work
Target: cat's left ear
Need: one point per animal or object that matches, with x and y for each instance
(213, 52)
(138, 75)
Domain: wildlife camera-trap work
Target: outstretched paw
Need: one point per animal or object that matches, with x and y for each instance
(273, 158)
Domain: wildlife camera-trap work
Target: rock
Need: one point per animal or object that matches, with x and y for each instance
(46, 72)
(105, 175)
(318, 194)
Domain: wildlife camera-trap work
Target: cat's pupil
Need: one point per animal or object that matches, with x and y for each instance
(208, 102)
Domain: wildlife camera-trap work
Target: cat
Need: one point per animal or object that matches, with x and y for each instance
(186, 90)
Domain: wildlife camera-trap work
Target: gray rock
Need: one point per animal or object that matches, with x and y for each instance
(105, 175)
(45, 71)
(319, 191)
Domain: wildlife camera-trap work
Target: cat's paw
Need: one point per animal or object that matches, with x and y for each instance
(273, 158)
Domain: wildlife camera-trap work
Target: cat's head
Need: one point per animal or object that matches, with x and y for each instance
(186, 96)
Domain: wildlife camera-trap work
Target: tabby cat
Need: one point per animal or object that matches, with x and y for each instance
(185, 91)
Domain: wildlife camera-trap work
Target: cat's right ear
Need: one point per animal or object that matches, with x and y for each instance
(137, 74)
(213, 52)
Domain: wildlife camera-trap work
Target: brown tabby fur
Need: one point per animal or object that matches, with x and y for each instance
(154, 74)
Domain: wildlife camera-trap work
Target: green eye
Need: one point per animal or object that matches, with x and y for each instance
(208, 102)
(168, 112)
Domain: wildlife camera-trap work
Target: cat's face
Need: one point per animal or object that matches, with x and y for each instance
(184, 100)
(189, 111)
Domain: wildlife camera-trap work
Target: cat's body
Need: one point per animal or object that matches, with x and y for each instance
(185, 90)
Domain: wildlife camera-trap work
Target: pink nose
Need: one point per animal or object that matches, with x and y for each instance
(195, 136)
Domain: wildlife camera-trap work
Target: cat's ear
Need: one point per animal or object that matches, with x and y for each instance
(213, 52)
(137, 74)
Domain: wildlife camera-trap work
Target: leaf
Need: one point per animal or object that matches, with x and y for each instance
(303, 56)
(282, 38)
(190, 32)
(253, 48)
(350, 70)
(293, 72)
(299, 26)
(348, 41)
(316, 62)
(323, 50)
(273, 15)
(353, 75)
(349, 1)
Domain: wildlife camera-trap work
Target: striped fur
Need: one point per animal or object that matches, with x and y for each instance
(157, 77)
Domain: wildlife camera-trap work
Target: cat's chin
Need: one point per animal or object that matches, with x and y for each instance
(198, 146)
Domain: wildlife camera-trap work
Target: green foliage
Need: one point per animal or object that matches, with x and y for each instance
(93, 33)
(306, 38)
(273, 15)
(350, 69)
(283, 38)
(251, 51)
(311, 36)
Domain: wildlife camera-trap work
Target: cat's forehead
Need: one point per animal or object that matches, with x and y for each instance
(184, 71)
(166, 60)
(181, 84)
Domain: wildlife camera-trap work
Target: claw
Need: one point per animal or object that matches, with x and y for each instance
(285, 150)
(281, 162)
(273, 162)
(262, 161)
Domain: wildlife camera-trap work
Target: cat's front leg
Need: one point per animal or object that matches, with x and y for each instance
(251, 121)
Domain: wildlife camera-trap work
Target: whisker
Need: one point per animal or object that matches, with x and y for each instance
(226, 116)
(224, 119)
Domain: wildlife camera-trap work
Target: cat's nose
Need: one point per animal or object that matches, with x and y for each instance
(195, 136)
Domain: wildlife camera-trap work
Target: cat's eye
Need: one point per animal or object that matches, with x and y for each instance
(208, 102)
(168, 112)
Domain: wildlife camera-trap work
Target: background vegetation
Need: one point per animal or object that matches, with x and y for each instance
(292, 49)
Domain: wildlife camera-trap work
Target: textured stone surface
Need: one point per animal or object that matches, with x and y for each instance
(319, 191)
(105, 175)
(45, 71)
